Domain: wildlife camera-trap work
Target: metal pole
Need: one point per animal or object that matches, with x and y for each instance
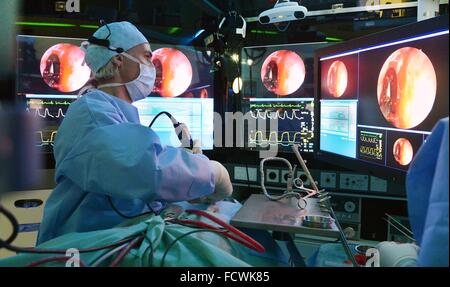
(330, 208)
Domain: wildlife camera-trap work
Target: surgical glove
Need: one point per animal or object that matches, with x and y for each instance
(394, 254)
(197, 147)
(223, 187)
(184, 135)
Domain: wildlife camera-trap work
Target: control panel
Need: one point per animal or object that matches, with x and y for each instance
(347, 208)
(353, 181)
(331, 180)
(328, 180)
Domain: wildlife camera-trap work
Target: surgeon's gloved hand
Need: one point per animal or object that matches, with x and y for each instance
(183, 135)
(197, 149)
(223, 187)
(394, 254)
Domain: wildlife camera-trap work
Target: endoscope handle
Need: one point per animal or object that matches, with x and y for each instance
(184, 135)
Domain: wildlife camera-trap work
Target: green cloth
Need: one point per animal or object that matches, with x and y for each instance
(204, 249)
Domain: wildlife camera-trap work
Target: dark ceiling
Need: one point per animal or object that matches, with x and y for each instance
(181, 17)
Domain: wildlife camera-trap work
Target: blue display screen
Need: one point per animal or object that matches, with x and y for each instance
(197, 114)
(338, 127)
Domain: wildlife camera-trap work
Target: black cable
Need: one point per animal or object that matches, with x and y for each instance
(151, 248)
(55, 251)
(124, 215)
(15, 226)
(184, 235)
(175, 126)
(7, 244)
(124, 252)
(157, 116)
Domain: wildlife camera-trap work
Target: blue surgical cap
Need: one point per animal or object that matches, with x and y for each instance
(123, 35)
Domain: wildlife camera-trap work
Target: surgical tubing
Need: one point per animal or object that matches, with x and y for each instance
(126, 250)
(53, 259)
(238, 236)
(55, 251)
(328, 203)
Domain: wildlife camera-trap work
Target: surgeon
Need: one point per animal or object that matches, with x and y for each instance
(109, 167)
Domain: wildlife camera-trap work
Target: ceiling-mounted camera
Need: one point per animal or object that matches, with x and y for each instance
(283, 11)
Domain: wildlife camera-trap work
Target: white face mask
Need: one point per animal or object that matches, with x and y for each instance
(142, 86)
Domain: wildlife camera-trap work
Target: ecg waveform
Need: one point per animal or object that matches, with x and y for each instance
(46, 113)
(45, 138)
(282, 115)
(283, 138)
(295, 124)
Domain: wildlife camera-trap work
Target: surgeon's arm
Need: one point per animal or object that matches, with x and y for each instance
(127, 161)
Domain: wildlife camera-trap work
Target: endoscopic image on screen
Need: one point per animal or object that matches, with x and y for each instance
(401, 147)
(405, 85)
(181, 71)
(285, 71)
(48, 65)
(339, 78)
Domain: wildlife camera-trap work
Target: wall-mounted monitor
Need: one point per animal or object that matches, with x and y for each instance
(51, 71)
(278, 83)
(378, 97)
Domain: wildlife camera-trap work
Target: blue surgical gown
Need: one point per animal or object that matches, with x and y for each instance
(103, 151)
(427, 188)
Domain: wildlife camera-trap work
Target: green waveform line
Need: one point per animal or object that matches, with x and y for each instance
(49, 103)
(285, 137)
(277, 106)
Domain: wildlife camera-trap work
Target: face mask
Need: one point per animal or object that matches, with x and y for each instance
(142, 86)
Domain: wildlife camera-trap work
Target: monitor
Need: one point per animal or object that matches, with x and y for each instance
(378, 97)
(278, 83)
(51, 71)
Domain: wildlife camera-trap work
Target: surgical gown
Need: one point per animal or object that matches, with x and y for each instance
(103, 151)
(427, 187)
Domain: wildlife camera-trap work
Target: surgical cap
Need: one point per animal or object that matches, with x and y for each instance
(123, 35)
